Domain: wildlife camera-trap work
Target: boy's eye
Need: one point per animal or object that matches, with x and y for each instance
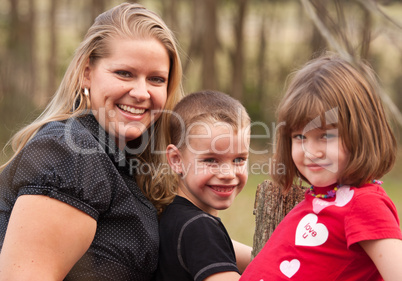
(240, 160)
(209, 160)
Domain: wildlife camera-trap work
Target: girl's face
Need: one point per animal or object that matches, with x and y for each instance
(319, 155)
(129, 87)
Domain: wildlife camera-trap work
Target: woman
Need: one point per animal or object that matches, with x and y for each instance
(70, 207)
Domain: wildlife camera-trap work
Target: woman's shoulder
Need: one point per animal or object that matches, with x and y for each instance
(63, 128)
(70, 134)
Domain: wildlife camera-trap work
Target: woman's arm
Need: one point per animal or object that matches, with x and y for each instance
(387, 256)
(45, 238)
(243, 255)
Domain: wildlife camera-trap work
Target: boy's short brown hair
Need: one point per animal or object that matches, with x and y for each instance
(205, 106)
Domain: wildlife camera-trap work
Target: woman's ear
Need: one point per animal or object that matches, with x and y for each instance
(86, 83)
(174, 159)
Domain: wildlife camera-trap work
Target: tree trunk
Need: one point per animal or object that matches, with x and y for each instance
(52, 58)
(96, 8)
(366, 34)
(209, 43)
(170, 14)
(270, 207)
(317, 42)
(238, 54)
(197, 27)
(31, 38)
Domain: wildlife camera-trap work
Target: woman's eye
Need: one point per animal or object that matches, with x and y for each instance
(123, 73)
(159, 80)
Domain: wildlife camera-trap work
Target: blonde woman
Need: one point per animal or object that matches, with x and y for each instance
(75, 200)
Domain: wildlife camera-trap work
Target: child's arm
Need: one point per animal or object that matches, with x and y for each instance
(224, 276)
(243, 258)
(243, 255)
(387, 256)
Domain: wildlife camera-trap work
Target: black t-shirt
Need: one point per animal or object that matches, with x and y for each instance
(75, 162)
(193, 244)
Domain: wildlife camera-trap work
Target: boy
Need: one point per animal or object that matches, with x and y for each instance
(210, 134)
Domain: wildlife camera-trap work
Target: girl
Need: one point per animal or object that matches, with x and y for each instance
(335, 136)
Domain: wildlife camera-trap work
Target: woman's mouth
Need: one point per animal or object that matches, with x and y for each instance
(132, 110)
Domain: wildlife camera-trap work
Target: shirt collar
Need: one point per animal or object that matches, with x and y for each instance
(107, 142)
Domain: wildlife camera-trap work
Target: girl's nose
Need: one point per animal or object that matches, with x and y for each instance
(313, 150)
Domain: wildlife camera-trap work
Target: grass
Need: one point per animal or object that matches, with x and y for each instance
(239, 219)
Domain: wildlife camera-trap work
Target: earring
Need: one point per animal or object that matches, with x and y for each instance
(87, 98)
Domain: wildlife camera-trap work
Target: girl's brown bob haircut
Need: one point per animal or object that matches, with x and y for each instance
(331, 90)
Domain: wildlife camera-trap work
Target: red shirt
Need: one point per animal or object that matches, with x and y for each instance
(318, 239)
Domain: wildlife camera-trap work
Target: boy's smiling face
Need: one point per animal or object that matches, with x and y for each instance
(213, 164)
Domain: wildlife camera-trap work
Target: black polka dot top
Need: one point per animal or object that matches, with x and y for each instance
(75, 162)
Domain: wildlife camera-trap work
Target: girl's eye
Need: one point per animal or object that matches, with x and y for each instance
(123, 73)
(298, 137)
(328, 136)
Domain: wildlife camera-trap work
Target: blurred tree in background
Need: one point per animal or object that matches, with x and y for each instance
(245, 48)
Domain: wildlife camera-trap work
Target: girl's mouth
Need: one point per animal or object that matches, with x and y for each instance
(132, 110)
(316, 167)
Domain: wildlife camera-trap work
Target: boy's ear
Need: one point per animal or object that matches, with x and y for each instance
(174, 158)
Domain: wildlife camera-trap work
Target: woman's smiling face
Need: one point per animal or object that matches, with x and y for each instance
(128, 89)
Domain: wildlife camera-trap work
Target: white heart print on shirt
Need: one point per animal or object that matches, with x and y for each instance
(289, 268)
(343, 197)
(311, 233)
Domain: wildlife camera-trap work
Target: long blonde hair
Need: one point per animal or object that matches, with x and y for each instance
(127, 21)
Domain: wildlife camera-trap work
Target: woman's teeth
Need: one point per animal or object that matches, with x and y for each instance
(131, 109)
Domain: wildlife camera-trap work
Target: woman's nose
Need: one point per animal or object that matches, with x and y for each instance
(139, 90)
